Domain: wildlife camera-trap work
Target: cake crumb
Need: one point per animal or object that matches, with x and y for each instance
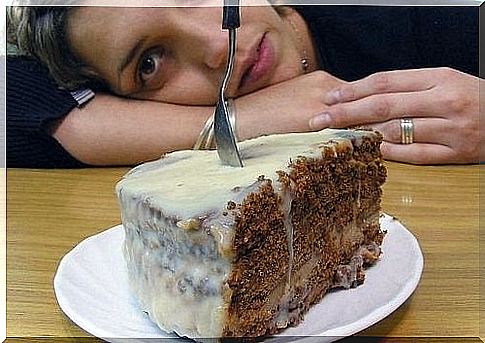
(231, 205)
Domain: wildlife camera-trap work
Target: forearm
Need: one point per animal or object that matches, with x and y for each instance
(115, 131)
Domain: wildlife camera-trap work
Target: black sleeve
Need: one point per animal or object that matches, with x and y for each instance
(33, 102)
(355, 41)
(448, 36)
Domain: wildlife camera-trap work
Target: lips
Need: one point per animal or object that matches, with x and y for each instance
(257, 65)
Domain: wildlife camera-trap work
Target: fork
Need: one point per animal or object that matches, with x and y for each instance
(223, 133)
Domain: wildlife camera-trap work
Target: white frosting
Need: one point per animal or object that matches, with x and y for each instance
(188, 183)
(176, 273)
(180, 233)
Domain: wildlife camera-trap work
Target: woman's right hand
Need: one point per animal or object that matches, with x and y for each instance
(283, 107)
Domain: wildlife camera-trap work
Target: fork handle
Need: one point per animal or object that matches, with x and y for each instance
(230, 15)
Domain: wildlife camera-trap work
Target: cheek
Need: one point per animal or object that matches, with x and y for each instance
(184, 88)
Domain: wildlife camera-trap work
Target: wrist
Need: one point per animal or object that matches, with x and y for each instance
(206, 139)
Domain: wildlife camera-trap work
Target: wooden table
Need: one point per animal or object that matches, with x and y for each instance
(50, 211)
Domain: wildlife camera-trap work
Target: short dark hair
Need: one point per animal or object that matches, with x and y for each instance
(40, 32)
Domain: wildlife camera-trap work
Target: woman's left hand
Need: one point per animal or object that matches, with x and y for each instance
(443, 104)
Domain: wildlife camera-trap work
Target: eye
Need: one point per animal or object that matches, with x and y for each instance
(150, 65)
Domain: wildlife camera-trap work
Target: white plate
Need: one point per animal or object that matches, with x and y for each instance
(91, 289)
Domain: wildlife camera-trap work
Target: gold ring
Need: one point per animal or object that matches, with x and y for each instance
(407, 131)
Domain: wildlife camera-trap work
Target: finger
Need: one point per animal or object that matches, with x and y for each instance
(418, 153)
(381, 108)
(425, 130)
(382, 82)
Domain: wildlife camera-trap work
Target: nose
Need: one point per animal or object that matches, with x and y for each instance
(210, 42)
(214, 44)
(216, 50)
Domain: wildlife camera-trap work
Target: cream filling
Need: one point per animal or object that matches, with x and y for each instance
(167, 275)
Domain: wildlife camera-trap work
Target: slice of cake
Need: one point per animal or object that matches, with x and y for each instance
(217, 251)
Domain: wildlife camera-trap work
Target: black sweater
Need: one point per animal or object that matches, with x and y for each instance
(33, 103)
(352, 42)
(356, 41)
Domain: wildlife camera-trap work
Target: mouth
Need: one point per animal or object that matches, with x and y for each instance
(257, 65)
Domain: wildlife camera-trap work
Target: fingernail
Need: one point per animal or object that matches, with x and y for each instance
(320, 121)
(332, 97)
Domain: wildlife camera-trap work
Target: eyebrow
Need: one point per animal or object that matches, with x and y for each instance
(131, 55)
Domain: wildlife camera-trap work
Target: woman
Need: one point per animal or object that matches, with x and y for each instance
(157, 73)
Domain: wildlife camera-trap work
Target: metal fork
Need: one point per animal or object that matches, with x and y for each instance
(225, 140)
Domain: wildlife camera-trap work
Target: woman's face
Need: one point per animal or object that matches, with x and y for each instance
(178, 54)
